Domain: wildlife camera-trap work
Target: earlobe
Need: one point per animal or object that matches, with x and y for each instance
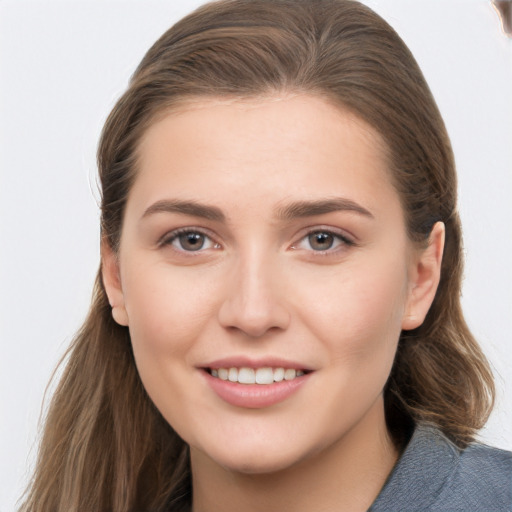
(112, 283)
(424, 277)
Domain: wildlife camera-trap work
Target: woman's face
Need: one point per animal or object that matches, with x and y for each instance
(262, 236)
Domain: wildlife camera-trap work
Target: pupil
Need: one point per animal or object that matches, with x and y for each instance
(321, 241)
(192, 241)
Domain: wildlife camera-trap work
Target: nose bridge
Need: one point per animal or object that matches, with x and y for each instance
(254, 303)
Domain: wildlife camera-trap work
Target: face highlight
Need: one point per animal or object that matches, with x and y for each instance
(265, 275)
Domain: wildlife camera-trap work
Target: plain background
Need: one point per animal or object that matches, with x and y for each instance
(62, 66)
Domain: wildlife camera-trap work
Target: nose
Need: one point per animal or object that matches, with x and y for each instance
(254, 302)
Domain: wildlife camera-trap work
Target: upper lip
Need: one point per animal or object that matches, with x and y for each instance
(246, 362)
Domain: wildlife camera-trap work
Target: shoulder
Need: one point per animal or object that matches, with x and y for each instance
(482, 480)
(434, 475)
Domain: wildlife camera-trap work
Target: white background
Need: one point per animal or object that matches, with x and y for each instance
(63, 64)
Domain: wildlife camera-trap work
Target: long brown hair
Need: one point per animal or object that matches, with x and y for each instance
(105, 446)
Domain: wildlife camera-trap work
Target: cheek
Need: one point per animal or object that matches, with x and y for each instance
(359, 323)
(168, 311)
(167, 307)
(358, 313)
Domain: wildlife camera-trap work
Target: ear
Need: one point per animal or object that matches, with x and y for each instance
(112, 283)
(424, 276)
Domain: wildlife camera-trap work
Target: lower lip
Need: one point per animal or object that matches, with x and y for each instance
(254, 396)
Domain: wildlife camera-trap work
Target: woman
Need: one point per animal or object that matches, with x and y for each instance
(276, 322)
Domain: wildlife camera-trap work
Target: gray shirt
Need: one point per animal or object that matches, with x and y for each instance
(434, 475)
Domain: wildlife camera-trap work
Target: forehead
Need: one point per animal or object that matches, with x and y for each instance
(260, 150)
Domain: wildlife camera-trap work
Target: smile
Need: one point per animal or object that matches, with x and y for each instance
(264, 376)
(255, 388)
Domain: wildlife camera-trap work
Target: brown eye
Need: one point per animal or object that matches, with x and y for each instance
(191, 241)
(321, 241)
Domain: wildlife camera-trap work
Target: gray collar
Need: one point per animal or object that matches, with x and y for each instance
(419, 475)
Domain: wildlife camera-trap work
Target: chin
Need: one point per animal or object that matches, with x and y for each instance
(255, 458)
(257, 464)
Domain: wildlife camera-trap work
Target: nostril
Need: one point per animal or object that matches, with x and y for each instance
(253, 320)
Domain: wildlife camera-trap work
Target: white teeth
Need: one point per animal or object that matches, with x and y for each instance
(246, 376)
(278, 374)
(233, 374)
(265, 375)
(289, 374)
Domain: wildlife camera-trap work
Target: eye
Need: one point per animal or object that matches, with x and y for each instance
(322, 241)
(189, 240)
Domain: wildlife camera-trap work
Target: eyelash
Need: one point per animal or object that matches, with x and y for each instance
(172, 237)
(338, 239)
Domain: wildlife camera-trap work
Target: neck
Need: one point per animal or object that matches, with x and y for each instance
(347, 476)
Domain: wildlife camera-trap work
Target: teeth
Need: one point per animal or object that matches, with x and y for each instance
(264, 375)
(246, 376)
(278, 374)
(289, 374)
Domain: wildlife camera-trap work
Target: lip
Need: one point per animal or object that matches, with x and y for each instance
(268, 362)
(254, 396)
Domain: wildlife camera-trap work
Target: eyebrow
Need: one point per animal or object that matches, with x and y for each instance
(185, 208)
(291, 211)
(300, 209)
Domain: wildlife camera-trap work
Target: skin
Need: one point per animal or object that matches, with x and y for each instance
(260, 287)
